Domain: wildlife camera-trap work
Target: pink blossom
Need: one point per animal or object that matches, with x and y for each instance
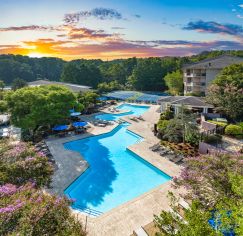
(7, 189)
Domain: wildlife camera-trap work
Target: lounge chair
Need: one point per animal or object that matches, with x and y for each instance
(155, 145)
(133, 118)
(140, 118)
(101, 125)
(163, 152)
(177, 159)
(156, 148)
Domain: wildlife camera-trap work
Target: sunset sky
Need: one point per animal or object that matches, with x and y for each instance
(107, 29)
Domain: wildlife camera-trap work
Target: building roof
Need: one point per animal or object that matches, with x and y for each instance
(215, 63)
(74, 87)
(186, 100)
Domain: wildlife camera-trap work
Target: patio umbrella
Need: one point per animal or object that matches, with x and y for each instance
(60, 127)
(79, 124)
(75, 114)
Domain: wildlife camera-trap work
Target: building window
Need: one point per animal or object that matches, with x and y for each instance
(189, 80)
(188, 72)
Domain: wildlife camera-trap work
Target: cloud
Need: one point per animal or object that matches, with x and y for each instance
(239, 16)
(98, 13)
(241, 5)
(117, 28)
(214, 27)
(137, 16)
(117, 48)
(85, 33)
(30, 27)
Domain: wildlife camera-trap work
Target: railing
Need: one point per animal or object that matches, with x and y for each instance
(88, 211)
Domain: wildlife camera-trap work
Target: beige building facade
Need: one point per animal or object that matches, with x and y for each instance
(198, 76)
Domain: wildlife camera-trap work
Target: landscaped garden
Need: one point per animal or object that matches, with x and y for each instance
(179, 132)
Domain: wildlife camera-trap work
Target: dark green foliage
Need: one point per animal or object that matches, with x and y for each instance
(18, 83)
(132, 73)
(182, 128)
(109, 86)
(212, 139)
(167, 115)
(29, 69)
(226, 92)
(81, 73)
(32, 107)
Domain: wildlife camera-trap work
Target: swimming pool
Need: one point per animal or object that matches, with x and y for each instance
(136, 110)
(116, 175)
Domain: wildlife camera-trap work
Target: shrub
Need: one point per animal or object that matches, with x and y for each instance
(25, 210)
(234, 130)
(162, 124)
(21, 163)
(222, 124)
(240, 124)
(212, 139)
(167, 115)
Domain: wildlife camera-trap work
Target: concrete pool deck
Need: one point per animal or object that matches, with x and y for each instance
(139, 211)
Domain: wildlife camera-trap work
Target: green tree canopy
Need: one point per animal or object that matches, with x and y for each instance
(174, 81)
(2, 84)
(31, 107)
(225, 93)
(18, 83)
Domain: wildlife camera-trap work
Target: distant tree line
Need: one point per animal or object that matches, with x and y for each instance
(132, 73)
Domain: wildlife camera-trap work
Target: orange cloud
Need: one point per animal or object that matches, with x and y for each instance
(112, 48)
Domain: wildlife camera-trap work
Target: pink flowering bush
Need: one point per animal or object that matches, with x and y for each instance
(26, 210)
(21, 163)
(208, 178)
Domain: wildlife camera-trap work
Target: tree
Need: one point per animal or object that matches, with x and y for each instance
(32, 107)
(20, 163)
(182, 127)
(208, 177)
(87, 99)
(214, 185)
(26, 210)
(18, 83)
(225, 93)
(2, 85)
(174, 81)
(107, 87)
(147, 75)
(81, 73)
(195, 222)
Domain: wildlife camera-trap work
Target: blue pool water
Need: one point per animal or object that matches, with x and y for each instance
(116, 175)
(130, 110)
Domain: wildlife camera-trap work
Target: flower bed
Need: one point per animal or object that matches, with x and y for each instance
(184, 149)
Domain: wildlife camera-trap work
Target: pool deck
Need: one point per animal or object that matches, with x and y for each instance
(129, 216)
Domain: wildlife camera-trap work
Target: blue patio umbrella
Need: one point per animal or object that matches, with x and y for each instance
(79, 124)
(75, 114)
(60, 127)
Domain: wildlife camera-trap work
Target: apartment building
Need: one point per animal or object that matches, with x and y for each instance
(198, 76)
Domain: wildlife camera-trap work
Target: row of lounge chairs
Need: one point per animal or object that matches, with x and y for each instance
(42, 147)
(113, 109)
(166, 152)
(136, 118)
(101, 123)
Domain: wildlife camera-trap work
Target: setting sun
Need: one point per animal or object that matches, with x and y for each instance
(36, 54)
